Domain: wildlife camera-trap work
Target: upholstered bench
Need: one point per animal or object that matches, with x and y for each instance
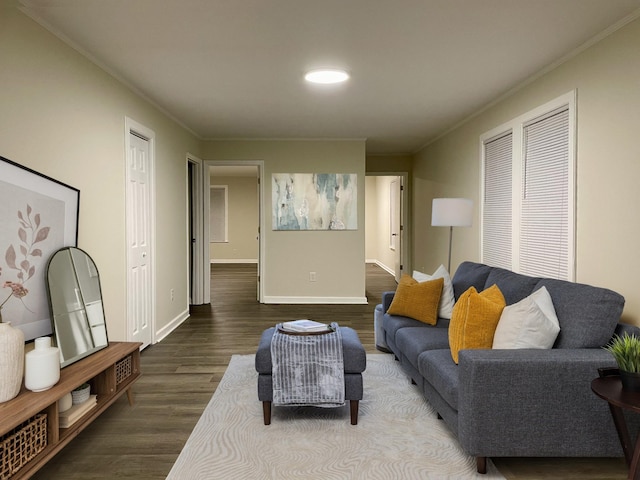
(355, 362)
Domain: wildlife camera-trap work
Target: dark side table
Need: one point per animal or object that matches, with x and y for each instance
(609, 388)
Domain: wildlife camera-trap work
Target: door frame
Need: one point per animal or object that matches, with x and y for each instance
(135, 128)
(206, 185)
(395, 241)
(196, 273)
(405, 231)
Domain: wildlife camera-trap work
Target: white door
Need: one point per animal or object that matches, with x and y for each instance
(139, 244)
(395, 215)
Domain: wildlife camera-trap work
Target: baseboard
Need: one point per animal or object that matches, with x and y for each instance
(171, 326)
(382, 266)
(316, 300)
(234, 260)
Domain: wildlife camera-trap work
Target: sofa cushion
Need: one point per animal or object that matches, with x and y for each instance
(393, 323)
(470, 274)
(513, 286)
(417, 300)
(530, 323)
(474, 320)
(412, 341)
(447, 299)
(587, 315)
(438, 369)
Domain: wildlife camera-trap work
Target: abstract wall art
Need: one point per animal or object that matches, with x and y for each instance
(314, 201)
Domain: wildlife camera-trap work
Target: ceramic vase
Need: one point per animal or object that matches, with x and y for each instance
(11, 361)
(42, 366)
(630, 381)
(65, 403)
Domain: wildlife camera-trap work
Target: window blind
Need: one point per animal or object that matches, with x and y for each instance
(544, 225)
(497, 202)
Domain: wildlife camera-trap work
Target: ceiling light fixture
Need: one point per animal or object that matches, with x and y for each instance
(326, 76)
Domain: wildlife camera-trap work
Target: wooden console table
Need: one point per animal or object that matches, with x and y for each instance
(111, 372)
(609, 388)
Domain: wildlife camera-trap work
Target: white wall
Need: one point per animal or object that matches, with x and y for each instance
(64, 117)
(606, 77)
(337, 257)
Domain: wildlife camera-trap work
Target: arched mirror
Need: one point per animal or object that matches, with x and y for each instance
(75, 299)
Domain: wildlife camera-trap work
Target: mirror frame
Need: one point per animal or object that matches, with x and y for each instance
(57, 340)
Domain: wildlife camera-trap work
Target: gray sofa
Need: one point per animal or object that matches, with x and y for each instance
(517, 403)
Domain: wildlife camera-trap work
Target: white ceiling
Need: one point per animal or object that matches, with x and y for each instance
(234, 68)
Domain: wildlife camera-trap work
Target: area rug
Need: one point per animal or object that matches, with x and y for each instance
(398, 435)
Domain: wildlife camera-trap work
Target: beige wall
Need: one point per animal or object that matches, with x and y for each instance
(606, 78)
(64, 117)
(336, 257)
(389, 164)
(242, 221)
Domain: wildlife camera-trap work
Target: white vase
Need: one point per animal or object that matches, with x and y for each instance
(42, 366)
(65, 403)
(11, 361)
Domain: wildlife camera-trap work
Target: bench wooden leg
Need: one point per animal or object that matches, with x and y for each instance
(481, 463)
(354, 404)
(130, 396)
(266, 412)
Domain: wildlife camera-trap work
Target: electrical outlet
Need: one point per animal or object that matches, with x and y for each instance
(172, 295)
(312, 276)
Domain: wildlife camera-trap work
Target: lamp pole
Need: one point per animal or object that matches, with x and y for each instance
(450, 238)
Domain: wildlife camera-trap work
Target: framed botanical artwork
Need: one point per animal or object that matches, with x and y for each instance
(38, 216)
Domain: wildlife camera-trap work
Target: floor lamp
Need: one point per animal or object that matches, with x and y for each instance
(451, 212)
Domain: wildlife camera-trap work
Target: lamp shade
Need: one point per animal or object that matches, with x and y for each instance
(452, 212)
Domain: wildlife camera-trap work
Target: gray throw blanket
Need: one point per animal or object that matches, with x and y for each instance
(308, 369)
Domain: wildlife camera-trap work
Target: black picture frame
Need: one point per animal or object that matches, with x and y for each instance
(38, 216)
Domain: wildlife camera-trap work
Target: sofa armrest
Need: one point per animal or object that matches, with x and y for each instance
(543, 396)
(387, 298)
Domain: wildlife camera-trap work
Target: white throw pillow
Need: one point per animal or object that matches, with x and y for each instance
(447, 299)
(420, 277)
(530, 323)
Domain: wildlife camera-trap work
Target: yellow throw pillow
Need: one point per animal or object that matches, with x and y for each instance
(417, 300)
(474, 319)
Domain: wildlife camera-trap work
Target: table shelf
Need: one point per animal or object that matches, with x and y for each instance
(111, 372)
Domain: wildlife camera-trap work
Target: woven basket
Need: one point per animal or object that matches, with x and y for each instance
(22, 444)
(123, 369)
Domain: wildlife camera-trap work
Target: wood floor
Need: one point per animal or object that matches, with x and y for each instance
(180, 374)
